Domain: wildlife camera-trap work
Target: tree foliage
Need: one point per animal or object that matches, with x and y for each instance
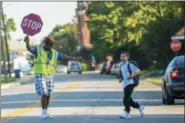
(10, 27)
(142, 28)
(66, 38)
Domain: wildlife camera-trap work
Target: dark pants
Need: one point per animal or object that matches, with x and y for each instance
(127, 101)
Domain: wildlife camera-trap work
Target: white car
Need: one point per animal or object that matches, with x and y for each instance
(61, 69)
(74, 66)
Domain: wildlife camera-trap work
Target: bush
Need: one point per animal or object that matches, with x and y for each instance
(84, 67)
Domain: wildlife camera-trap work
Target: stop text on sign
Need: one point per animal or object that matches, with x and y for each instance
(176, 45)
(31, 24)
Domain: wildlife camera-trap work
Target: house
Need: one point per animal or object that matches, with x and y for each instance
(180, 35)
(19, 53)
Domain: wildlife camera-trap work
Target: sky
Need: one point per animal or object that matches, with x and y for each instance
(51, 13)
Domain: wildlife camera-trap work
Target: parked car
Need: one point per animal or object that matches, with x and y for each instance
(61, 69)
(74, 66)
(102, 67)
(115, 68)
(108, 67)
(173, 81)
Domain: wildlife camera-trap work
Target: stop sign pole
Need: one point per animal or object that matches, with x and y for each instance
(175, 46)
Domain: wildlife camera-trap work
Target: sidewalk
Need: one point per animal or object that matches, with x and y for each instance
(24, 80)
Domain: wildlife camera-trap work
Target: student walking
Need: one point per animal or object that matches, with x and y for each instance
(129, 71)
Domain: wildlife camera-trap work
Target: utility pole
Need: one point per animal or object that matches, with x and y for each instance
(6, 41)
(0, 37)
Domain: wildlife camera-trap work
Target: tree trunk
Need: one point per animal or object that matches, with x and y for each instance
(3, 58)
(2, 46)
(6, 42)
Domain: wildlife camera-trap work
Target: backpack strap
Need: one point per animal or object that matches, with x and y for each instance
(121, 71)
(129, 69)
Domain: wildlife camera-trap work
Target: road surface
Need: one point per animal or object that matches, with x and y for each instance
(87, 98)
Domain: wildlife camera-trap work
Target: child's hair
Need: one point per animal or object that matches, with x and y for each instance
(126, 53)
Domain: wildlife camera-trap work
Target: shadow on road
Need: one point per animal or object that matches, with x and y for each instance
(83, 99)
(101, 119)
(82, 78)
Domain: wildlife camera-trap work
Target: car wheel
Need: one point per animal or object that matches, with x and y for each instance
(163, 99)
(118, 76)
(163, 94)
(68, 72)
(80, 72)
(170, 100)
(166, 98)
(107, 72)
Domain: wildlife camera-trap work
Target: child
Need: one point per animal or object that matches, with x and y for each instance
(128, 85)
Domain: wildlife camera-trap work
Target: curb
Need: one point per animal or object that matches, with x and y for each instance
(9, 85)
(91, 71)
(16, 83)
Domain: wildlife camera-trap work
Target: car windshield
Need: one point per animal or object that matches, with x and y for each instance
(180, 61)
(74, 64)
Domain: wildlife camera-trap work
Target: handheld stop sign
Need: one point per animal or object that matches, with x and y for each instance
(31, 24)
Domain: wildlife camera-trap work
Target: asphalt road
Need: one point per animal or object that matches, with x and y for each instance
(87, 98)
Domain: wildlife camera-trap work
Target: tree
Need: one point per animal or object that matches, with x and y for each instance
(146, 26)
(66, 38)
(9, 27)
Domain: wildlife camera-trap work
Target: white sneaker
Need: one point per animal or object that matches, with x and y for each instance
(50, 116)
(125, 115)
(141, 111)
(43, 115)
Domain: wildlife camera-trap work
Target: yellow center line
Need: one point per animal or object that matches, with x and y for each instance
(20, 112)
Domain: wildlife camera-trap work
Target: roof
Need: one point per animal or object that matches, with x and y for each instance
(180, 35)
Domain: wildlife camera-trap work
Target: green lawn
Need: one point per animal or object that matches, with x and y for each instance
(156, 81)
(148, 73)
(149, 76)
(9, 80)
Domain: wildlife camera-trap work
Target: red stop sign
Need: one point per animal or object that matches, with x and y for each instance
(175, 45)
(31, 24)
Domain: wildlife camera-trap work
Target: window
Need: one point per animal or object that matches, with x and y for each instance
(180, 61)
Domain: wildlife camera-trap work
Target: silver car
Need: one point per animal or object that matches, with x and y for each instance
(116, 69)
(74, 66)
(61, 69)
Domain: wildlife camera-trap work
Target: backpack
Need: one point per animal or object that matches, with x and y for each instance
(136, 78)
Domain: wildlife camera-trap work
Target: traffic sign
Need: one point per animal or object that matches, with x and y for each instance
(31, 24)
(175, 45)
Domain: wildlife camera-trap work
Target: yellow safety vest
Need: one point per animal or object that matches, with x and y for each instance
(44, 65)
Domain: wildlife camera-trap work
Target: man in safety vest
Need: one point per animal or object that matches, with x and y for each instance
(45, 61)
